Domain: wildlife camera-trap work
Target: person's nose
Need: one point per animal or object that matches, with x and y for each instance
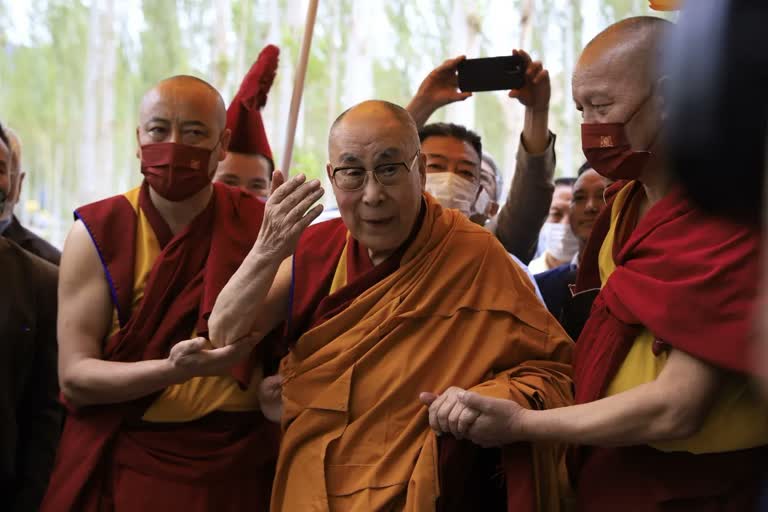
(373, 191)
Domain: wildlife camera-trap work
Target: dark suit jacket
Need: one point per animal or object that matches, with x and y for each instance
(30, 414)
(553, 285)
(31, 242)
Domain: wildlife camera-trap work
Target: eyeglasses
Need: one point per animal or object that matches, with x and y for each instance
(355, 178)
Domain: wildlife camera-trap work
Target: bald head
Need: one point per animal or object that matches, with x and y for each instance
(186, 110)
(376, 112)
(197, 94)
(633, 46)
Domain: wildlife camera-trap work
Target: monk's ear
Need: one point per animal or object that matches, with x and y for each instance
(138, 144)
(226, 137)
(329, 171)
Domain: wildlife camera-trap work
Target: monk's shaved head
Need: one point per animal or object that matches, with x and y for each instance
(634, 44)
(188, 89)
(185, 110)
(377, 111)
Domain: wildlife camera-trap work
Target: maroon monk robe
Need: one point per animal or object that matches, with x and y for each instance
(692, 281)
(180, 292)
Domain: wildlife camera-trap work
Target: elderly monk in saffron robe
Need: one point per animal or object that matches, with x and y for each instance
(396, 297)
(157, 422)
(667, 417)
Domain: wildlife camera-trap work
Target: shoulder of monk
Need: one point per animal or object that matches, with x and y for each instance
(473, 250)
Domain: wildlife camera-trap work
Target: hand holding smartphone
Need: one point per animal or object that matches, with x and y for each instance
(492, 74)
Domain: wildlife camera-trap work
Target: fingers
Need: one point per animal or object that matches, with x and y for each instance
(453, 419)
(433, 423)
(283, 190)
(480, 403)
(186, 347)
(523, 54)
(300, 209)
(278, 178)
(451, 63)
(444, 412)
(287, 202)
(466, 420)
(427, 398)
(534, 68)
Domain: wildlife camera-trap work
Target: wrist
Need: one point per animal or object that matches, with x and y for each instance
(171, 373)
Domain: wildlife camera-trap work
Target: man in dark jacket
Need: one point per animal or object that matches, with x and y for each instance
(30, 415)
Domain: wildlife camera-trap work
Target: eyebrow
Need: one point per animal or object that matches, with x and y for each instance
(465, 162)
(348, 157)
(189, 124)
(156, 119)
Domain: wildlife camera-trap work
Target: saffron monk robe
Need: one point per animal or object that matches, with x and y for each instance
(397, 297)
(157, 420)
(667, 418)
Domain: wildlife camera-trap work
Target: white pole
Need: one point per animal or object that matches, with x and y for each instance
(298, 86)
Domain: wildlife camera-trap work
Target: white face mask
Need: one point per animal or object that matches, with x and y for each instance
(484, 204)
(452, 191)
(561, 243)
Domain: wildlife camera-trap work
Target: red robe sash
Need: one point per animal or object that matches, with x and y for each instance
(180, 293)
(692, 281)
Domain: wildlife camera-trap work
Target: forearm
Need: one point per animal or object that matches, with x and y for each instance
(522, 215)
(420, 110)
(536, 130)
(641, 415)
(238, 305)
(91, 381)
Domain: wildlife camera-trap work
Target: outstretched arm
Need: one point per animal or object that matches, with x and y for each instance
(673, 406)
(438, 89)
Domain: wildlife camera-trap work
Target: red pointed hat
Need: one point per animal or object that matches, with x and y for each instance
(244, 113)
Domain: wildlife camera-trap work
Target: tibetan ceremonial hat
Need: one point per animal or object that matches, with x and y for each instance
(244, 113)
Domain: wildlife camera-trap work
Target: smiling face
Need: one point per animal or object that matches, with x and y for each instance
(249, 172)
(587, 203)
(367, 136)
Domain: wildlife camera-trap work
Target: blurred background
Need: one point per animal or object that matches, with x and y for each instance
(72, 74)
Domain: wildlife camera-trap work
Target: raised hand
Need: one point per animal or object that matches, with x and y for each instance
(536, 92)
(288, 214)
(438, 89)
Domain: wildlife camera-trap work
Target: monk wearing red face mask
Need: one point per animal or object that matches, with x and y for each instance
(666, 417)
(159, 420)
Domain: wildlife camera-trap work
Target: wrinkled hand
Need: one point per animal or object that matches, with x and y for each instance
(536, 92)
(441, 85)
(447, 414)
(271, 397)
(288, 214)
(196, 358)
(497, 422)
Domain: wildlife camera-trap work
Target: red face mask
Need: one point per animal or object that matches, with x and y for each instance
(608, 151)
(175, 171)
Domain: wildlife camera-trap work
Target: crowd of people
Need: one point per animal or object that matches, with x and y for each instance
(204, 344)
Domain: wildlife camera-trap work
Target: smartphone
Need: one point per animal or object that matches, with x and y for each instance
(492, 74)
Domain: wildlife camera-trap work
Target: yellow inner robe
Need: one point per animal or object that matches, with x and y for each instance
(198, 396)
(738, 419)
